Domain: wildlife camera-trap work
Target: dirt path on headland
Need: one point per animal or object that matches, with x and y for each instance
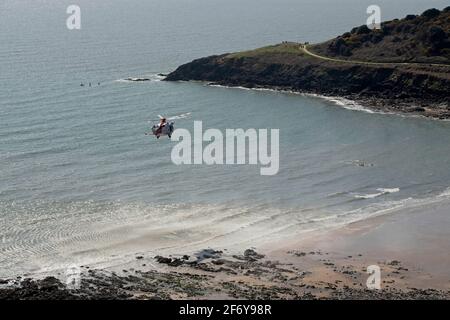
(304, 49)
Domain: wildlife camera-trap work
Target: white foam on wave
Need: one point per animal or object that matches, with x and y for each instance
(181, 116)
(381, 192)
(349, 104)
(340, 219)
(380, 208)
(154, 77)
(336, 219)
(110, 234)
(339, 101)
(385, 190)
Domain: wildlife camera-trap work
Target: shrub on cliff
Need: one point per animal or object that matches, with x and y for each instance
(416, 38)
(431, 13)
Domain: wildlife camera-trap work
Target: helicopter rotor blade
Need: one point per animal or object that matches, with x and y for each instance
(180, 116)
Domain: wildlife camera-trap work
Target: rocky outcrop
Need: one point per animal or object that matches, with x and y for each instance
(420, 86)
(395, 88)
(323, 77)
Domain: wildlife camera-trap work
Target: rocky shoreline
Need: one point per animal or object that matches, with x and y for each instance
(211, 274)
(374, 104)
(408, 90)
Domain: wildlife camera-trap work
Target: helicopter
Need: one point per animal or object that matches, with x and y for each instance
(165, 127)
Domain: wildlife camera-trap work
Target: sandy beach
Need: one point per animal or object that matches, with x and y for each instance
(410, 247)
(415, 239)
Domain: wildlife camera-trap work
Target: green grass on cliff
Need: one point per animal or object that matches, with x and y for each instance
(285, 48)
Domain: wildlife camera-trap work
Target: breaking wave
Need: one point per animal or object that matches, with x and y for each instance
(381, 192)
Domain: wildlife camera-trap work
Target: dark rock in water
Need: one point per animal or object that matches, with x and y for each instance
(162, 74)
(208, 254)
(139, 257)
(173, 262)
(186, 257)
(51, 283)
(218, 262)
(253, 254)
(394, 263)
(164, 260)
(49, 288)
(250, 255)
(176, 262)
(2, 281)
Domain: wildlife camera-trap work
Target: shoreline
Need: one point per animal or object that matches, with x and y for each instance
(330, 264)
(411, 89)
(355, 103)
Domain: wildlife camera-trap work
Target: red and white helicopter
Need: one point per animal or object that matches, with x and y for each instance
(165, 127)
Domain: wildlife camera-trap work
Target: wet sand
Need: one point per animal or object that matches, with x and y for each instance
(411, 247)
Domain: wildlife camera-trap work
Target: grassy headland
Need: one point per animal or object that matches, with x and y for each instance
(404, 67)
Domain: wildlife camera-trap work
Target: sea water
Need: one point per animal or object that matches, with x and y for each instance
(80, 182)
